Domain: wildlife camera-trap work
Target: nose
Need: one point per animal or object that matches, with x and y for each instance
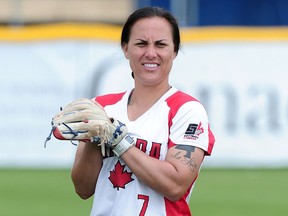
(150, 51)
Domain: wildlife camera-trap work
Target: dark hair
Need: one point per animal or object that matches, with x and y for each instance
(148, 12)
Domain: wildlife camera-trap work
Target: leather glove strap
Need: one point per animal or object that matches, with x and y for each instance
(126, 143)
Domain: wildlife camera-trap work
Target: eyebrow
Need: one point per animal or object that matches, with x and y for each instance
(157, 41)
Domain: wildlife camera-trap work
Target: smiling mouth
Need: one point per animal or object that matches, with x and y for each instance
(151, 65)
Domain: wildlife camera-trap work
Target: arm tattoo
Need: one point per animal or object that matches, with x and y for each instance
(187, 148)
(186, 159)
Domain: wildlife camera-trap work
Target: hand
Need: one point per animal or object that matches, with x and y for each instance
(87, 121)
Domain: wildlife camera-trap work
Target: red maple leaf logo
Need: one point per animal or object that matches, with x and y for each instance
(118, 177)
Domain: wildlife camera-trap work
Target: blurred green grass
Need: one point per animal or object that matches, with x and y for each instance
(39, 193)
(235, 192)
(218, 192)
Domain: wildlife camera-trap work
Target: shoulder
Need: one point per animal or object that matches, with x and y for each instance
(179, 98)
(109, 99)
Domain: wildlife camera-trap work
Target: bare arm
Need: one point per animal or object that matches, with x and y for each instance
(86, 168)
(171, 177)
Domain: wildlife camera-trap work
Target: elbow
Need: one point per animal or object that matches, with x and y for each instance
(83, 191)
(175, 194)
(174, 198)
(83, 194)
(82, 188)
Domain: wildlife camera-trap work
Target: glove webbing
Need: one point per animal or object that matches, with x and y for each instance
(69, 132)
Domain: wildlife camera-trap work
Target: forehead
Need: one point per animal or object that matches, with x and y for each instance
(152, 26)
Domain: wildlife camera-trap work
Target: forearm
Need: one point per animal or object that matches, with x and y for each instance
(86, 168)
(170, 178)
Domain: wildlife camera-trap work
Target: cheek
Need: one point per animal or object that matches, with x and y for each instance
(170, 57)
(169, 62)
(133, 61)
(134, 55)
(129, 53)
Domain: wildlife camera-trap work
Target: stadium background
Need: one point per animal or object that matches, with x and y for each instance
(53, 51)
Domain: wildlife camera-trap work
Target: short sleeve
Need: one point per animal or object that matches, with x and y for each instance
(190, 126)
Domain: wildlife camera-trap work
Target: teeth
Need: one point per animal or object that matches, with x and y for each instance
(150, 65)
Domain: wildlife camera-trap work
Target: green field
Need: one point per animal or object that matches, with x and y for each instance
(218, 192)
(241, 193)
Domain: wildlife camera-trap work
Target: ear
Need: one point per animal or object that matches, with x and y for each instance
(175, 55)
(125, 50)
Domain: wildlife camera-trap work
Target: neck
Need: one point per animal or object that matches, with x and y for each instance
(147, 96)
